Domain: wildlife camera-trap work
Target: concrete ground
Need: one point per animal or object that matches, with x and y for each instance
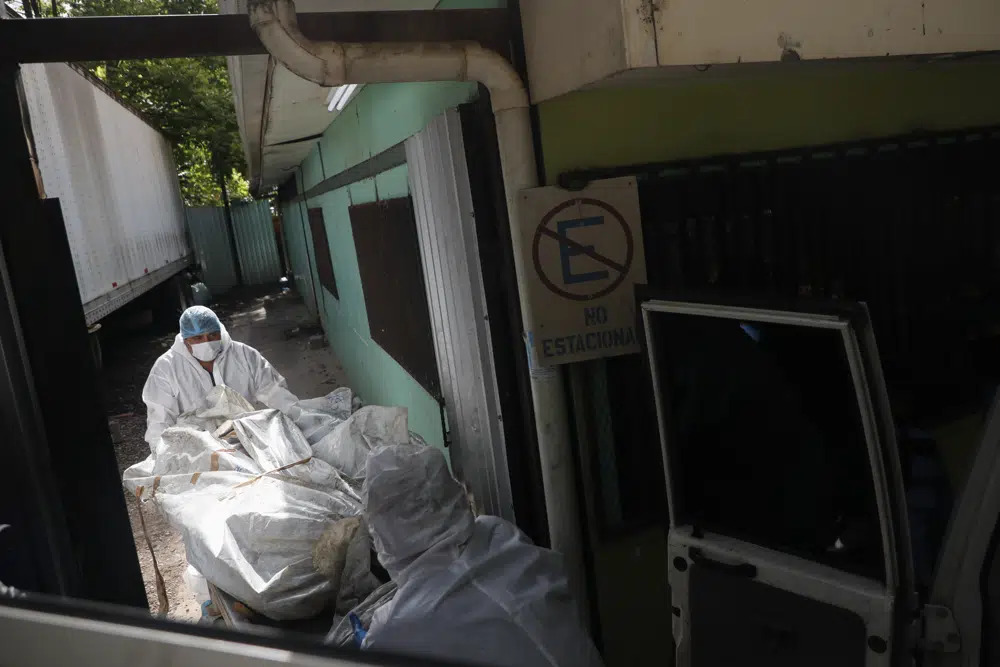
(275, 323)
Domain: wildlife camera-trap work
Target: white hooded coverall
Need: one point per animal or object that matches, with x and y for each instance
(177, 383)
(471, 590)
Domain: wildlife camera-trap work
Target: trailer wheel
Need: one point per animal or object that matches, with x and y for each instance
(187, 294)
(94, 338)
(171, 300)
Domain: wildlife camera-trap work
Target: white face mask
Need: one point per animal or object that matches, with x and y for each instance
(206, 351)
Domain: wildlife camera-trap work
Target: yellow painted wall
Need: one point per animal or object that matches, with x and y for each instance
(781, 107)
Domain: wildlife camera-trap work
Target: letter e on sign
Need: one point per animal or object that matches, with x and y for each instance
(583, 254)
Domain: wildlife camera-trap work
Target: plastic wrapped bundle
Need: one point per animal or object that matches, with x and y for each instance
(251, 513)
(347, 446)
(317, 417)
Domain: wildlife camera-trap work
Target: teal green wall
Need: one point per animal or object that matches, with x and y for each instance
(381, 116)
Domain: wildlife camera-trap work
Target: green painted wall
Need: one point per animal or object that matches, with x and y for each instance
(766, 110)
(381, 116)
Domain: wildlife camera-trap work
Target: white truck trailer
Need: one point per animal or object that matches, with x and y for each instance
(115, 179)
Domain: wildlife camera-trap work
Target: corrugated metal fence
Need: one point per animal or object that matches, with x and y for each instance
(255, 244)
(210, 241)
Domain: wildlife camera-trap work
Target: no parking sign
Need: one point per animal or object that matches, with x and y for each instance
(583, 254)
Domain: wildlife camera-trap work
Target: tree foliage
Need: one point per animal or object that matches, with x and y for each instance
(188, 99)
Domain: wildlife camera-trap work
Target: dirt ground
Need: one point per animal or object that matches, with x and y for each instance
(275, 323)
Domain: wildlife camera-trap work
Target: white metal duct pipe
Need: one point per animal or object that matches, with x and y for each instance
(335, 64)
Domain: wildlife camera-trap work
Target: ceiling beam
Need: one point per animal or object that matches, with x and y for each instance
(178, 36)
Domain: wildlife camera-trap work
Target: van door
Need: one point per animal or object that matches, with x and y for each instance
(787, 539)
(961, 622)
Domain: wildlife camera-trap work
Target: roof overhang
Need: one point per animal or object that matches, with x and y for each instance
(281, 116)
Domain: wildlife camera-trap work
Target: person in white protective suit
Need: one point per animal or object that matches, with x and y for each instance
(204, 356)
(471, 590)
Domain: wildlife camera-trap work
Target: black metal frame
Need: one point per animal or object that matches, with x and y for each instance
(324, 262)
(189, 35)
(67, 504)
(503, 309)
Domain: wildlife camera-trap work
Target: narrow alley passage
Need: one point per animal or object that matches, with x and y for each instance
(279, 326)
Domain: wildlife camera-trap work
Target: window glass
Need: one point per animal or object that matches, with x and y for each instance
(392, 279)
(765, 438)
(321, 248)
